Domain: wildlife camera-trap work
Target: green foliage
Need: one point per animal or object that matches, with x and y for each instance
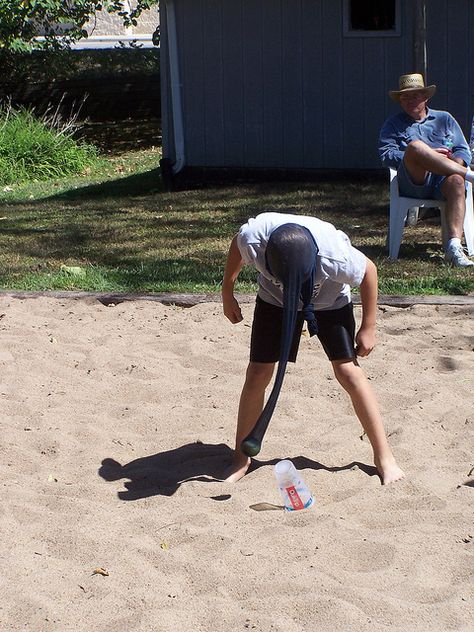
(34, 149)
(89, 65)
(60, 23)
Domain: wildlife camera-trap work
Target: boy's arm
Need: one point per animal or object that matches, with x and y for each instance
(233, 267)
(365, 338)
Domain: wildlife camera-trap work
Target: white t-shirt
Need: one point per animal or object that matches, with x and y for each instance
(338, 264)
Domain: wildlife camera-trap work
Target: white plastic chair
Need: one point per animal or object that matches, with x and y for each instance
(400, 206)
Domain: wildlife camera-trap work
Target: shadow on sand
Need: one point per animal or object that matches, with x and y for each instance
(163, 473)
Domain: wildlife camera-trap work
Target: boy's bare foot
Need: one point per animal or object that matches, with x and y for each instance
(389, 471)
(237, 469)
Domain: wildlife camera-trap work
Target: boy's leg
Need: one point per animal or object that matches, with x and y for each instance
(264, 354)
(352, 378)
(258, 377)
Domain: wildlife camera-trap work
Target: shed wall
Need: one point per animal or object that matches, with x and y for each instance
(450, 28)
(276, 84)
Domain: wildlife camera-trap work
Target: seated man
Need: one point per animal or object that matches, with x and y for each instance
(431, 156)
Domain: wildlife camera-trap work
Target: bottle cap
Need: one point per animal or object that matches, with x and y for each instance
(283, 467)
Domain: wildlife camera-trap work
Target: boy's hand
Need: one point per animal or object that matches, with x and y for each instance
(365, 341)
(232, 309)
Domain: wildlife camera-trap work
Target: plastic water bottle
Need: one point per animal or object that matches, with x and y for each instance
(292, 488)
(448, 142)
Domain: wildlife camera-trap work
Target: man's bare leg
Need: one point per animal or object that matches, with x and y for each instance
(453, 190)
(252, 398)
(419, 158)
(351, 377)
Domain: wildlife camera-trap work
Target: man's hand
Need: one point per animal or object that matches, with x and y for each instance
(365, 341)
(444, 151)
(232, 309)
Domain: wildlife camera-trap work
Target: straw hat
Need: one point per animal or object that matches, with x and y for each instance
(410, 83)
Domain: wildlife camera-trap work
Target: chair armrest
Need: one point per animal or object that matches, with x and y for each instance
(393, 183)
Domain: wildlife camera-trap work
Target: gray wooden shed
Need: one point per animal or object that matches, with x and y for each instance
(300, 84)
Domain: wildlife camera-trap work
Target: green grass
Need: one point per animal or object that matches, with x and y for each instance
(126, 234)
(33, 149)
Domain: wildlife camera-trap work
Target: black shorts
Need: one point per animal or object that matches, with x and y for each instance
(336, 331)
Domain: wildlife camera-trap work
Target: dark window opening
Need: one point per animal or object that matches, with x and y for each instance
(372, 15)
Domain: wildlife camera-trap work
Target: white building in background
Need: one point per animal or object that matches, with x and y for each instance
(106, 30)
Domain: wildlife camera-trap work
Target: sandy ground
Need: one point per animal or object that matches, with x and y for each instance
(116, 422)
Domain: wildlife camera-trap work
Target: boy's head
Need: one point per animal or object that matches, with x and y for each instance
(291, 258)
(291, 253)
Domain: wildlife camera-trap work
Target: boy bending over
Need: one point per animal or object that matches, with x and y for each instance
(306, 270)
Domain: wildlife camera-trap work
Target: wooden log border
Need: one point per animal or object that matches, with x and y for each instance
(190, 300)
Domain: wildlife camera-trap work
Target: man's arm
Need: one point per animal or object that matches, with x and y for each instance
(389, 146)
(365, 338)
(461, 152)
(233, 267)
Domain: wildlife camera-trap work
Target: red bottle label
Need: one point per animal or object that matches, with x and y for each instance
(295, 500)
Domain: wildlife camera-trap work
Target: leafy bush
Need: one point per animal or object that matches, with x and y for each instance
(40, 149)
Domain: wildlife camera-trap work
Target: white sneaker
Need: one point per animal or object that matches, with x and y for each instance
(456, 257)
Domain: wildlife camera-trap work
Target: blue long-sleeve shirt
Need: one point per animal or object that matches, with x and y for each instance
(438, 126)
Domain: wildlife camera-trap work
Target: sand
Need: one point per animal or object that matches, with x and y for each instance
(116, 422)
